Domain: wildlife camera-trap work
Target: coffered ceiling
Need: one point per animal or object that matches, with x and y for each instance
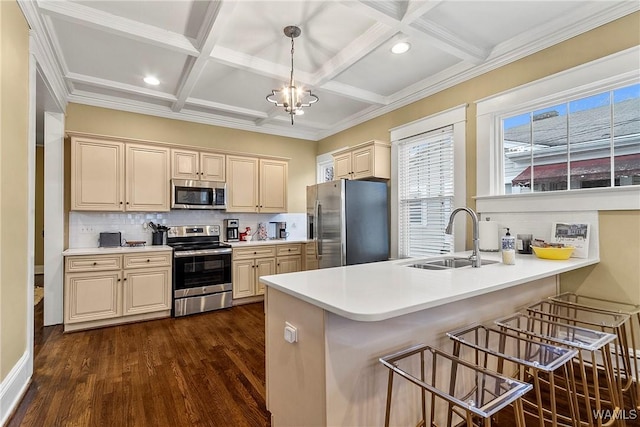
(217, 60)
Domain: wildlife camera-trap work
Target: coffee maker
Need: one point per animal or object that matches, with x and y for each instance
(231, 229)
(278, 230)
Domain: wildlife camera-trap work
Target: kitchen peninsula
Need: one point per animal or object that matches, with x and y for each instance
(346, 318)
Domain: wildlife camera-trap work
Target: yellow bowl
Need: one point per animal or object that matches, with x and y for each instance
(553, 253)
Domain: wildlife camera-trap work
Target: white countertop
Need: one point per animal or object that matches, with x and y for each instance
(116, 250)
(383, 290)
(265, 242)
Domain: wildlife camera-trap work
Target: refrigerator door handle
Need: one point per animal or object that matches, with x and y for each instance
(318, 231)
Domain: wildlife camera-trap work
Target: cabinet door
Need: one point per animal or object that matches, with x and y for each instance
(92, 296)
(273, 186)
(184, 164)
(362, 163)
(147, 178)
(97, 175)
(242, 184)
(243, 278)
(342, 166)
(146, 290)
(264, 267)
(212, 167)
(289, 264)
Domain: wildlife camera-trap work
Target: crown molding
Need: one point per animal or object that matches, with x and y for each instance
(122, 87)
(47, 61)
(113, 103)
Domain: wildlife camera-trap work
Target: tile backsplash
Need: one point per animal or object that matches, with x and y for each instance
(85, 227)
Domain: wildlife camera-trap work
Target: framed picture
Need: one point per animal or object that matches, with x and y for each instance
(576, 235)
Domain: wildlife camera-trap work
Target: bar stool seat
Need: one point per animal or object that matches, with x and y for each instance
(459, 391)
(526, 360)
(592, 346)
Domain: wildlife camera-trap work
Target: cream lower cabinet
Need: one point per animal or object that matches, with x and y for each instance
(289, 259)
(103, 290)
(310, 259)
(256, 185)
(249, 264)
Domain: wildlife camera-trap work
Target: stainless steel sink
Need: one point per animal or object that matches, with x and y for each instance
(446, 263)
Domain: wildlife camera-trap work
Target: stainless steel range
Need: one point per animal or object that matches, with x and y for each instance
(201, 269)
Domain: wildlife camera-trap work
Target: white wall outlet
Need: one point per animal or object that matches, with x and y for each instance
(290, 333)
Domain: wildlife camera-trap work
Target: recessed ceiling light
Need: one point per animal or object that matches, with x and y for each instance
(401, 47)
(150, 80)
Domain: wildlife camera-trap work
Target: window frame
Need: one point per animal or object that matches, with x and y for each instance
(604, 74)
(456, 117)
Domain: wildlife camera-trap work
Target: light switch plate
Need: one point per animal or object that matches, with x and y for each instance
(290, 333)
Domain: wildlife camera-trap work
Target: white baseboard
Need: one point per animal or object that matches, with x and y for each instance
(38, 269)
(13, 387)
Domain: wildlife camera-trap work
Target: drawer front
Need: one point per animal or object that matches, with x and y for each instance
(284, 250)
(153, 259)
(93, 263)
(254, 252)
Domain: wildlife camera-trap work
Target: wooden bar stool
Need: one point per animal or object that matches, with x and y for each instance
(460, 391)
(592, 346)
(526, 360)
(627, 347)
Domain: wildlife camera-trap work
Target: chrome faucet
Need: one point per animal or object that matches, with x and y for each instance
(475, 256)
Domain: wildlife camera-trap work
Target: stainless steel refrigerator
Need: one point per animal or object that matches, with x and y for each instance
(349, 222)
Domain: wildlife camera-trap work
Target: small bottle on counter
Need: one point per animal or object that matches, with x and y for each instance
(508, 249)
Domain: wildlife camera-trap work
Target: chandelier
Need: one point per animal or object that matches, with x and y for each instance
(292, 98)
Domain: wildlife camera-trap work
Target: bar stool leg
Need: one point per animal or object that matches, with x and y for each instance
(389, 390)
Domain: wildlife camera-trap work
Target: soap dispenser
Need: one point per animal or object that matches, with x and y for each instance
(508, 249)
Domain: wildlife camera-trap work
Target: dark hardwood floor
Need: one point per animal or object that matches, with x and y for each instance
(202, 370)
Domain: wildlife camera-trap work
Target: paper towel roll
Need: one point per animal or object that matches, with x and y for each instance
(489, 239)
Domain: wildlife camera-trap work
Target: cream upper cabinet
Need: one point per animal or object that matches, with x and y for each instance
(256, 185)
(147, 178)
(97, 175)
(114, 176)
(371, 159)
(342, 166)
(273, 186)
(204, 166)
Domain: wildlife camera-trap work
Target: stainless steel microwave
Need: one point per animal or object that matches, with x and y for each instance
(192, 194)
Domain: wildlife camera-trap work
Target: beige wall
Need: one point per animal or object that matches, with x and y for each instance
(82, 118)
(618, 274)
(14, 217)
(39, 227)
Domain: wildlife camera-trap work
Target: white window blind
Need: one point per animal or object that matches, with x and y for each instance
(425, 192)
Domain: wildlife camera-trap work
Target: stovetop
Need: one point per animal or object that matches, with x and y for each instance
(195, 237)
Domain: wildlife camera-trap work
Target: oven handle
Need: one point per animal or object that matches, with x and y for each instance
(184, 254)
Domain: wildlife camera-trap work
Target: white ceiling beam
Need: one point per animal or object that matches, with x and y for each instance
(353, 52)
(418, 8)
(195, 102)
(218, 14)
(90, 17)
(120, 87)
(270, 115)
(354, 93)
(414, 25)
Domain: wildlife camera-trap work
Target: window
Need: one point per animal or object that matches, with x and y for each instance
(567, 142)
(425, 192)
(324, 168)
(588, 142)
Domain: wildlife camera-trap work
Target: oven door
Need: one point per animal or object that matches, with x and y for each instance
(201, 274)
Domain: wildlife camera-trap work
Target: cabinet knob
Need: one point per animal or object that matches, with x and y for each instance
(127, 202)
(148, 260)
(120, 202)
(289, 249)
(118, 280)
(95, 263)
(255, 253)
(125, 279)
